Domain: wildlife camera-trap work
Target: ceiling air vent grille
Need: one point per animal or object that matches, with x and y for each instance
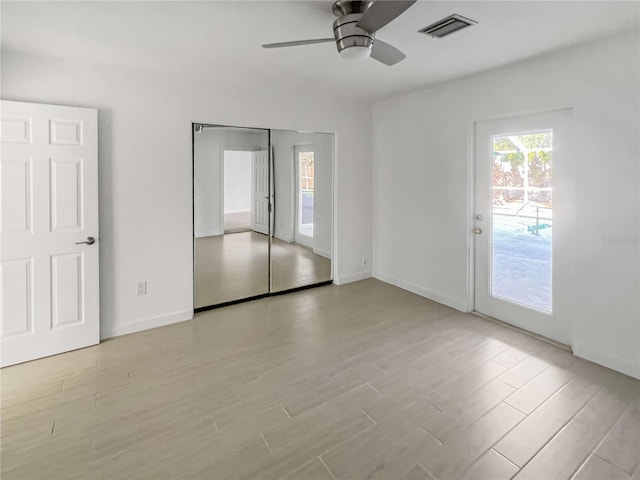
(448, 25)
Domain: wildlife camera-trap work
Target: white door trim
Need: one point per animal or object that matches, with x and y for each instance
(221, 190)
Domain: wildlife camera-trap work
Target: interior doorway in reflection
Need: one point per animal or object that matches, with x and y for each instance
(237, 182)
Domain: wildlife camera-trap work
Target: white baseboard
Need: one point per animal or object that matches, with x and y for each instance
(322, 253)
(210, 233)
(284, 238)
(352, 278)
(423, 292)
(145, 324)
(606, 360)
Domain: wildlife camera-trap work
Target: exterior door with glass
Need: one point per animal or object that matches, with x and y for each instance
(521, 221)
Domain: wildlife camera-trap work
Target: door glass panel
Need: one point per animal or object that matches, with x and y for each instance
(521, 254)
(306, 192)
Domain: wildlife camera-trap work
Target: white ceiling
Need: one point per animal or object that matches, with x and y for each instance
(223, 38)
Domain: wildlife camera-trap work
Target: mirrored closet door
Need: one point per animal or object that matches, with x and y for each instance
(303, 208)
(263, 212)
(231, 213)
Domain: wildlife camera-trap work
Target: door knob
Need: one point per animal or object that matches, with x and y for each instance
(89, 241)
(477, 231)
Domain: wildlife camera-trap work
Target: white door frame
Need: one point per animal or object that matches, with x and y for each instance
(562, 309)
(335, 259)
(221, 212)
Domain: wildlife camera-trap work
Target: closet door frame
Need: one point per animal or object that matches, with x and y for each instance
(272, 212)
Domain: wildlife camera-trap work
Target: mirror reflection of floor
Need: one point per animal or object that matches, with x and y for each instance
(237, 222)
(235, 266)
(294, 266)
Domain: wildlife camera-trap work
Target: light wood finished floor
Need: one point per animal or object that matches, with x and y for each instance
(293, 265)
(235, 266)
(357, 381)
(237, 222)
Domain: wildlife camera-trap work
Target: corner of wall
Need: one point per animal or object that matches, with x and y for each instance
(606, 360)
(355, 277)
(460, 305)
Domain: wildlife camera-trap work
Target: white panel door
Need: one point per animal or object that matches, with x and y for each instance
(48, 230)
(260, 192)
(523, 220)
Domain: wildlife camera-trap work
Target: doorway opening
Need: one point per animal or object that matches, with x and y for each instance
(237, 191)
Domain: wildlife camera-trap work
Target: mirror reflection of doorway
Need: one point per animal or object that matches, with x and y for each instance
(237, 194)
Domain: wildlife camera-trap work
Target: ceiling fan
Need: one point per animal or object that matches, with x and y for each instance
(355, 28)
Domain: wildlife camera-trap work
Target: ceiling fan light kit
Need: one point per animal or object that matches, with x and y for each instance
(355, 52)
(355, 28)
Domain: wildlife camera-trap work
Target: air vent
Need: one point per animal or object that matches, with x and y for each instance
(448, 25)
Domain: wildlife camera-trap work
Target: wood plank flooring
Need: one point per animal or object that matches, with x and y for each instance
(352, 382)
(236, 266)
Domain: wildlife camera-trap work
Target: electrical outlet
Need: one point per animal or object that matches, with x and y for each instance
(142, 288)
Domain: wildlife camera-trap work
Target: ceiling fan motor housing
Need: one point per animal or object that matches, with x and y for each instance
(346, 31)
(348, 34)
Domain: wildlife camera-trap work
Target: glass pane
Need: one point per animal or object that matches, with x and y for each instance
(521, 266)
(307, 190)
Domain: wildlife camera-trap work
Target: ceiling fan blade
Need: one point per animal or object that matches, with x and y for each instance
(383, 12)
(298, 42)
(385, 53)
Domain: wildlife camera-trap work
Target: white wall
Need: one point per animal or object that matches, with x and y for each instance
(146, 172)
(206, 186)
(283, 143)
(237, 181)
(421, 219)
